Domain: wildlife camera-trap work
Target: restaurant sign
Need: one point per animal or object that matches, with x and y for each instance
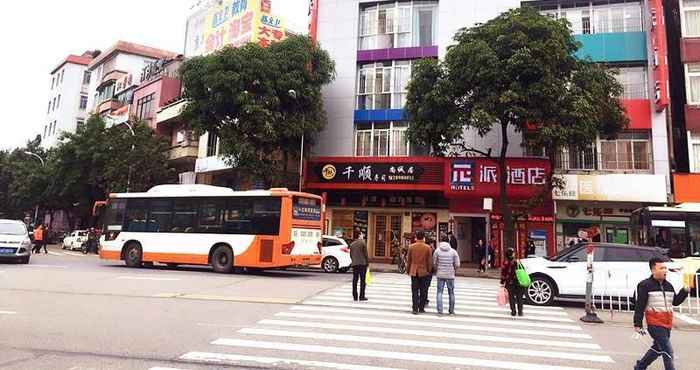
(372, 173)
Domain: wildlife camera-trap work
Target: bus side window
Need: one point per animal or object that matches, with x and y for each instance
(184, 214)
(136, 215)
(210, 220)
(237, 216)
(160, 215)
(266, 216)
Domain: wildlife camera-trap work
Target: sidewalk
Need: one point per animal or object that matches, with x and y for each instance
(469, 271)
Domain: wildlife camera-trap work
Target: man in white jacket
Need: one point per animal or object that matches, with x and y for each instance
(446, 262)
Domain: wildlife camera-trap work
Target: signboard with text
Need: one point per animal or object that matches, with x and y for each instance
(370, 173)
(526, 177)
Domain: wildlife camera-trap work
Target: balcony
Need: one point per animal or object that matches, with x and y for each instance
(108, 105)
(631, 158)
(170, 113)
(614, 47)
(186, 153)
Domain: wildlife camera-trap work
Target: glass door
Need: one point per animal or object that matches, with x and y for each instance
(387, 235)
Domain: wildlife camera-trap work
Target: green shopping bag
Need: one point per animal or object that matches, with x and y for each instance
(522, 276)
(368, 277)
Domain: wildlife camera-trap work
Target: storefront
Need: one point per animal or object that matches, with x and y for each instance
(598, 207)
(389, 199)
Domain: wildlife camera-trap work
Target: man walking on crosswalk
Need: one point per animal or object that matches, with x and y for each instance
(359, 262)
(419, 265)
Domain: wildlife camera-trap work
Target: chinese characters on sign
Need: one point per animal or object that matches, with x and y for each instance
(465, 171)
(370, 173)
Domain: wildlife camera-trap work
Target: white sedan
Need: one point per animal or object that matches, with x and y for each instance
(75, 240)
(336, 254)
(617, 269)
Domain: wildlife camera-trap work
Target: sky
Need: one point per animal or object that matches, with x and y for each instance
(37, 35)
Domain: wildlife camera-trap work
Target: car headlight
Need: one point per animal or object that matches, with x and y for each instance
(26, 244)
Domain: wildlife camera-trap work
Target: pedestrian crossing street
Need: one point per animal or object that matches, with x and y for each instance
(331, 331)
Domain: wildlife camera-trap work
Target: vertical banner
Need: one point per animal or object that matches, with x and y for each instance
(659, 53)
(313, 20)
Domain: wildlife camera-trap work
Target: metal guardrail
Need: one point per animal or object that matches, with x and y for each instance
(618, 303)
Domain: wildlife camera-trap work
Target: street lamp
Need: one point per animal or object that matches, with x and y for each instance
(43, 165)
(293, 94)
(128, 176)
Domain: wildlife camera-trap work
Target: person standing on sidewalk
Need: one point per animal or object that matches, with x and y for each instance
(510, 282)
(419, 265)
(481, 253)
(38, 238)
(446, 262)
(360, 260)
(655, 300)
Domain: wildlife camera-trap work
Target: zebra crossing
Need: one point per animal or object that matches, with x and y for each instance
(331, 331)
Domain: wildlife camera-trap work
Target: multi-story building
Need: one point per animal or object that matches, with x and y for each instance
(67, 104)
(374, 179)
(682, 19)
(607, 179)
(115, 75)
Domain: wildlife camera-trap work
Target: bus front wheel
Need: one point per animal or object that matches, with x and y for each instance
(133, 255)
(222, 259)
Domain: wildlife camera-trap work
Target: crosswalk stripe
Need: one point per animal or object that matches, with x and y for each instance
(372, 289)
(434, 283)
(507, 322)
(528, 332)
(405, 297)
(403, 356)
(165, 368)
(404, 309)
(234, 359)
(465, 306)
(430, 333)
(8, 312)
(55, 254)
(74, 254)
(424, 344)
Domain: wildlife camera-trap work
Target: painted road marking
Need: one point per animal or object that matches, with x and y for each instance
(446, 325)
(510, 322)
(165, 368)
(8, 312)
(687, 319)
(55, 254)
(48, 266)
(146, 278)
(233, 359)
(401, 356)
(207, 297)
(423, 344)
(74, 254)
(404, 308)
(424, 333)
(348, 288)
(434, 283)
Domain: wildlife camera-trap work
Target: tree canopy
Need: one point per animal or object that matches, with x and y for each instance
(259, 102)
(518, 71)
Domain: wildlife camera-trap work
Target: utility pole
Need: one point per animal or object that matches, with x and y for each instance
(43, 165)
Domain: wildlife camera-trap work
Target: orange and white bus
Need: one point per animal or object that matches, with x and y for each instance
(209, 225)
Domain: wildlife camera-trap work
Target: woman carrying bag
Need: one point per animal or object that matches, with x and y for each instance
(511, 281)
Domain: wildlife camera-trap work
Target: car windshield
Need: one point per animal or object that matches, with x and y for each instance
(563, 252)
(13, 228)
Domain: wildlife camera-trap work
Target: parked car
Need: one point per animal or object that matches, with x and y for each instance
(617, 269)
(336, 254)
(15, 244)
(75, 240)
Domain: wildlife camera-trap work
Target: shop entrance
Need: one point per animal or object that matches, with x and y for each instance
(468, 230)
(387, 234)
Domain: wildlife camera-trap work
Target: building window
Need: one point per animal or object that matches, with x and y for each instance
(398, 25)
(212, 145)
(53, 106)
(632, 151)
(383, 85)
(83, 102)
(576, 158)
(692, 72)
(55, 123)
(691, 17)
(634, 82)
(606, 18)
(58, 102)
(45, 129)
(86, 77)
(53, 82)
(144, 106)
(49, 109)
(695, 156)
(79, 123)
(381, 139)
(106, 93)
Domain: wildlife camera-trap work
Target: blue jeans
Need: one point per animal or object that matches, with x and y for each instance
(662, 347)
(450, 291)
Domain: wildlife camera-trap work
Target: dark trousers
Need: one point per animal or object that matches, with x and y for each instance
(661, 347)
(419, 291)
(515, 297)
(428, 282)
(358, 273)
(37, 246)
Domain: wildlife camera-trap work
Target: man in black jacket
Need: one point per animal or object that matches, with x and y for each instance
(655, 300)
(360, 260)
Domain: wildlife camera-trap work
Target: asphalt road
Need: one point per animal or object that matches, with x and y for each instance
(70, 311)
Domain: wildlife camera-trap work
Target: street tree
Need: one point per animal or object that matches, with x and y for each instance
(517, 71)
(23, 179)
(259, 102)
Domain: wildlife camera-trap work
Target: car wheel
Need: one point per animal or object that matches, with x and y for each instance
(222, 259)
(330, 264)
(133, 256)
(541, 291)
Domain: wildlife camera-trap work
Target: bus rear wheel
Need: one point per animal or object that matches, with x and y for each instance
(222, 259)
(133, 256)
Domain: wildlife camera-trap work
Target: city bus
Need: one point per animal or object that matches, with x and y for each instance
(675, 229)
(216, 226)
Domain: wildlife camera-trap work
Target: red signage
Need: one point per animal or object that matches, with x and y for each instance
(659, 49)
(313, 20)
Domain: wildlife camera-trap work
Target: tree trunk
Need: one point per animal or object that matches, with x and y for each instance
(509, 234)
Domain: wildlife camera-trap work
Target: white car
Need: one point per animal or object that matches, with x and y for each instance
(75, 240)
(15, 244)
(336, 254)
(617, 269)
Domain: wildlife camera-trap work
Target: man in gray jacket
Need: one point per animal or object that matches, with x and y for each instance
(358, 255)
(446, 262)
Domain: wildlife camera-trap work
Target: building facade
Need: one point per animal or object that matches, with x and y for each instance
(607, 179)
(68, 97)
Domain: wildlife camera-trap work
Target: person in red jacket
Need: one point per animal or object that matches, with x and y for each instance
(655, 300)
